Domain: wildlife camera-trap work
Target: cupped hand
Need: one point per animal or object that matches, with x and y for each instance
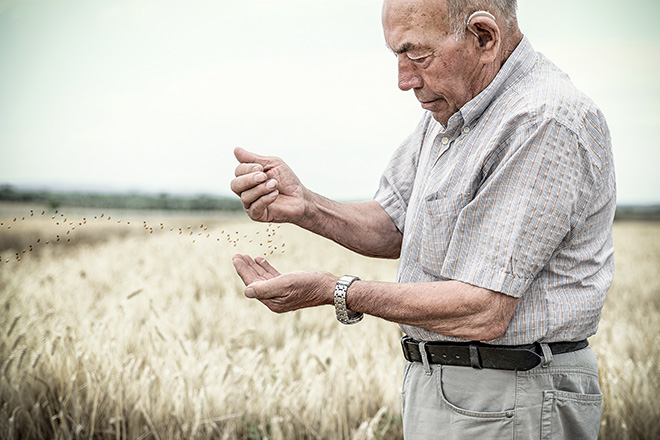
(253, 270)
(269, 190)
(284, 292)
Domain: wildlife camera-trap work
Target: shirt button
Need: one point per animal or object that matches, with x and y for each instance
(466, 129)
(444, 140)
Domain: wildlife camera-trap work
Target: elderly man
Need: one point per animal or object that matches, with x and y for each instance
(500, 207)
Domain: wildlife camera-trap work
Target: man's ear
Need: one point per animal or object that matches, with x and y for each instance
(486, 34)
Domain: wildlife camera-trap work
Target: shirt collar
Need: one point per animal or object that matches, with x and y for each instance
(516, 66)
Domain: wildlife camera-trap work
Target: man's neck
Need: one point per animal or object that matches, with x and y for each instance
(510, 45)
(490, 71)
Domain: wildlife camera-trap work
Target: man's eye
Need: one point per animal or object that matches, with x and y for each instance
(418, 59)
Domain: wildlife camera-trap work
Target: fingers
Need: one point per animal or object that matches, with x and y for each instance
(258, 276)
(252, 271)
(247, 168)
(256, 193)
(257, 210)
(267, 267)
(244, 269)
(249, 181)
(249, 173)
(252, 184)
(248, 267)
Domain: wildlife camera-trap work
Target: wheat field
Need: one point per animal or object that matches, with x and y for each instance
(135, 327)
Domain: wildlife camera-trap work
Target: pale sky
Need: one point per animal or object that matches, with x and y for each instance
(153, 95)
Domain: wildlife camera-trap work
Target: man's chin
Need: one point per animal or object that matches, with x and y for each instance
(441, 117)
(438, 109)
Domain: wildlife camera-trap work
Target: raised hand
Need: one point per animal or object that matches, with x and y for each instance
(269, 190)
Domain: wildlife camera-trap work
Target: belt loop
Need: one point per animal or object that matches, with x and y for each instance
(547, 354)
(425, 358)
(474, 357)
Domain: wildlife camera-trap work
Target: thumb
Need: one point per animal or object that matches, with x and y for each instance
(244, 156)
(258, 290)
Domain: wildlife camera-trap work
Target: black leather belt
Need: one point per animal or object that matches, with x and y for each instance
(481, 355)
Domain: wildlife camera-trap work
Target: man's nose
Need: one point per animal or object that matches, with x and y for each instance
(408, 77)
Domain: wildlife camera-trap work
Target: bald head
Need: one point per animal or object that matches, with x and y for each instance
(452, 15)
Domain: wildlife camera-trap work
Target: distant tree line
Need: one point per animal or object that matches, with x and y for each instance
(638, 212)
(55, 199)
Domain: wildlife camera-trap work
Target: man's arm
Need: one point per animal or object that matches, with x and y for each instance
(451, 308)
(363, 227)
(271, 192)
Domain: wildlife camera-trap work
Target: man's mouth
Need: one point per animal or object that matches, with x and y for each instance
(426, 105)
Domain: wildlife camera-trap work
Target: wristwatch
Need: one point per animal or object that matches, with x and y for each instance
(344, 315)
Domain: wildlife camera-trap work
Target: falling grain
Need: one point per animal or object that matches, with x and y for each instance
(134, 294)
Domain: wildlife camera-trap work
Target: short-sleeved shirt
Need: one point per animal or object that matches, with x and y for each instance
(516, 195)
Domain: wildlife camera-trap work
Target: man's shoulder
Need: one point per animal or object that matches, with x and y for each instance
(547, 93)
(545, 100)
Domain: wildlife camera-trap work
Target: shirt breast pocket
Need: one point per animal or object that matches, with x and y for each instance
(440, 217)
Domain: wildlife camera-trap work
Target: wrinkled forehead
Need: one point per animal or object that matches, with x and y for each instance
(413, 22)
(427, 14)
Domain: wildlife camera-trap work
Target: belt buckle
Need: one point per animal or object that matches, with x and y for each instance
(404, 347)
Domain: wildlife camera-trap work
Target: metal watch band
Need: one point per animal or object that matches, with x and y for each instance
(344, 315)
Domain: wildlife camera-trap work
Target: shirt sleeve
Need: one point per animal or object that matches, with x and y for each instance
(397, 181)
(527, 205)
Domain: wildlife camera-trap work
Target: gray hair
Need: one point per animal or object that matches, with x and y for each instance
(460, 10)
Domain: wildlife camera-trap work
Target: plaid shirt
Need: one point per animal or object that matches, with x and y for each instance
(517, 195)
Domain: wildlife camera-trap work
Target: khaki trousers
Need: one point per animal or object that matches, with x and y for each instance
(560, 400)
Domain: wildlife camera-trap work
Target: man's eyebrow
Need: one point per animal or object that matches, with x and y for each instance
(405, 47)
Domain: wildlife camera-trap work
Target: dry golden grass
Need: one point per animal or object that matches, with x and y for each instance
(628, 341)
(148, 335)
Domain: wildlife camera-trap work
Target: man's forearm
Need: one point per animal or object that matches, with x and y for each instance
(451, 308)
(363, 227)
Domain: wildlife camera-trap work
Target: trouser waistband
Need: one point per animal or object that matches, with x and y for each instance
(481, 355)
